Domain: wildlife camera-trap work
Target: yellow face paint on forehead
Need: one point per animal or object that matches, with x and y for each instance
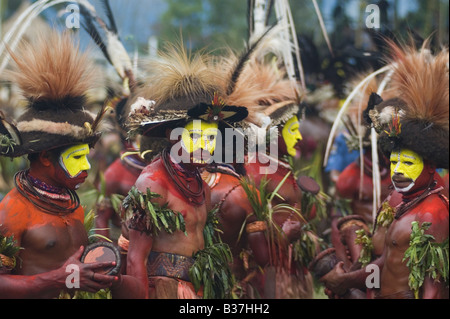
(291, 134)
(406, 162)
(198, 135)
(74, 160)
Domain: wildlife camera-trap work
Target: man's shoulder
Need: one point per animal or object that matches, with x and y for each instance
(436, 202)
(153, 176)
(432, 209)
(13, 201)
(153, 167)
(14, 211)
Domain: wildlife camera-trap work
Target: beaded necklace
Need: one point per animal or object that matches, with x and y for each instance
(39, 194)
(182, 177)
(48, 191)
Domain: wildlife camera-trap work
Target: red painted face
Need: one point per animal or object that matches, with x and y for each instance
(62, 178)
(424, 179)
(68, 182)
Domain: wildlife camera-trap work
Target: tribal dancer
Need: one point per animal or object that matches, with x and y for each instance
(43, 212)
(413, 132)
(272, 102)
(239, 229)
(168, 210)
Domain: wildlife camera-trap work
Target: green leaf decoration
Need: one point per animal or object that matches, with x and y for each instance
(386, 215)
(211, 271)
(212, 229)
(141, 208)
(9, 249)
(365, 241)
(7, 144)
(261, 201)
(305, 248)
(425, 257)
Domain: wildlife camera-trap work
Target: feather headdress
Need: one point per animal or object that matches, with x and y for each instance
(418, 117)
(266, 92)
(269, 86)
(181, 86)
(111, 45)
(54, 77)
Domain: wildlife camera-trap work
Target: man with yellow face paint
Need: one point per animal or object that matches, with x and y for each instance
(199, 140)
(43, 212)
(406, 168)
(291, 135)
(284, 278)
(176, 178)
(187, 111)
(413, 132)
(74, 160)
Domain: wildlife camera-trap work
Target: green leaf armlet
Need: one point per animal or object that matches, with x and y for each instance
(150, 217)
(425, 257)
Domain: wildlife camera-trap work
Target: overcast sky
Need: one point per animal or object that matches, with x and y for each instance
(136, 19)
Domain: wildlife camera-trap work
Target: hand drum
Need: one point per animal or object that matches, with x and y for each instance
(308, 184)
(102, 252)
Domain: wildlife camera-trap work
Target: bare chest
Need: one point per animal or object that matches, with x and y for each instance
(55, 236)
(399, 233)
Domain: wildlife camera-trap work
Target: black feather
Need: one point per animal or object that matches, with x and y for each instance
(250, 11)
(245, 57)
(269, 12)
(90, 28)
(112, 22)
(374, 100)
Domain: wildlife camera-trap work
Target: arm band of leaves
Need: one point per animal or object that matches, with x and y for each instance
(144, 215)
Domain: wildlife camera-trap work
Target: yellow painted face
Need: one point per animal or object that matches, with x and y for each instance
(200, 135)
(74, 160)
(406, 162)
(291, 134)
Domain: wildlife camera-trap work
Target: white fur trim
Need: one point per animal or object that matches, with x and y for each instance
(53, 128)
